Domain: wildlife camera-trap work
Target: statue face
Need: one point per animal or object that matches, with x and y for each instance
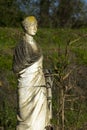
(32, 29)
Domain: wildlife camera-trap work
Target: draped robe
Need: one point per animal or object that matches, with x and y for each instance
(32, 93)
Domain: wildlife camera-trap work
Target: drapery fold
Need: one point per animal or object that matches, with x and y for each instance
(33, 111)
(33, 108)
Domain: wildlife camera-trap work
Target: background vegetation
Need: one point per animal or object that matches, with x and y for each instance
(62, 35)
(74, 61)
(50, 13)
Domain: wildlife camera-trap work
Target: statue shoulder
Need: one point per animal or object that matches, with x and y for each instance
(21, 46)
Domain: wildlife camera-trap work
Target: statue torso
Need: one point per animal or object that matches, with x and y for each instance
(25, 55)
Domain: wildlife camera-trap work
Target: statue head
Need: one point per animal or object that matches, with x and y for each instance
(30, 25)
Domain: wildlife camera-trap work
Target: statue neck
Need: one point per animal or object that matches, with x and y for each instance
(29, 39)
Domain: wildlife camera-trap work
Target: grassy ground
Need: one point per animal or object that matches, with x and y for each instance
(53, 43)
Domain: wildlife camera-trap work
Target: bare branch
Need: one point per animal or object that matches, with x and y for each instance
(85, 35)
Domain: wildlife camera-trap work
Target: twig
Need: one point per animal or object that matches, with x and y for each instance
(70, 43)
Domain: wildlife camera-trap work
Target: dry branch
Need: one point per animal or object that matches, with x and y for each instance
(71, 42)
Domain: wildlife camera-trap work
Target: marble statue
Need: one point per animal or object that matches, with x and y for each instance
(33, 112)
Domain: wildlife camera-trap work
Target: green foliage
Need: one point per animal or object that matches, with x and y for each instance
(53, 13)
(71, 13)
(44, 13)
(7, 116)
(76, 117)
(81, 55)
(6, 62)
(10, 13)
(53, 44)
(7, 42)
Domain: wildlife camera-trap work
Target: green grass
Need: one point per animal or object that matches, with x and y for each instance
(53, 41)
